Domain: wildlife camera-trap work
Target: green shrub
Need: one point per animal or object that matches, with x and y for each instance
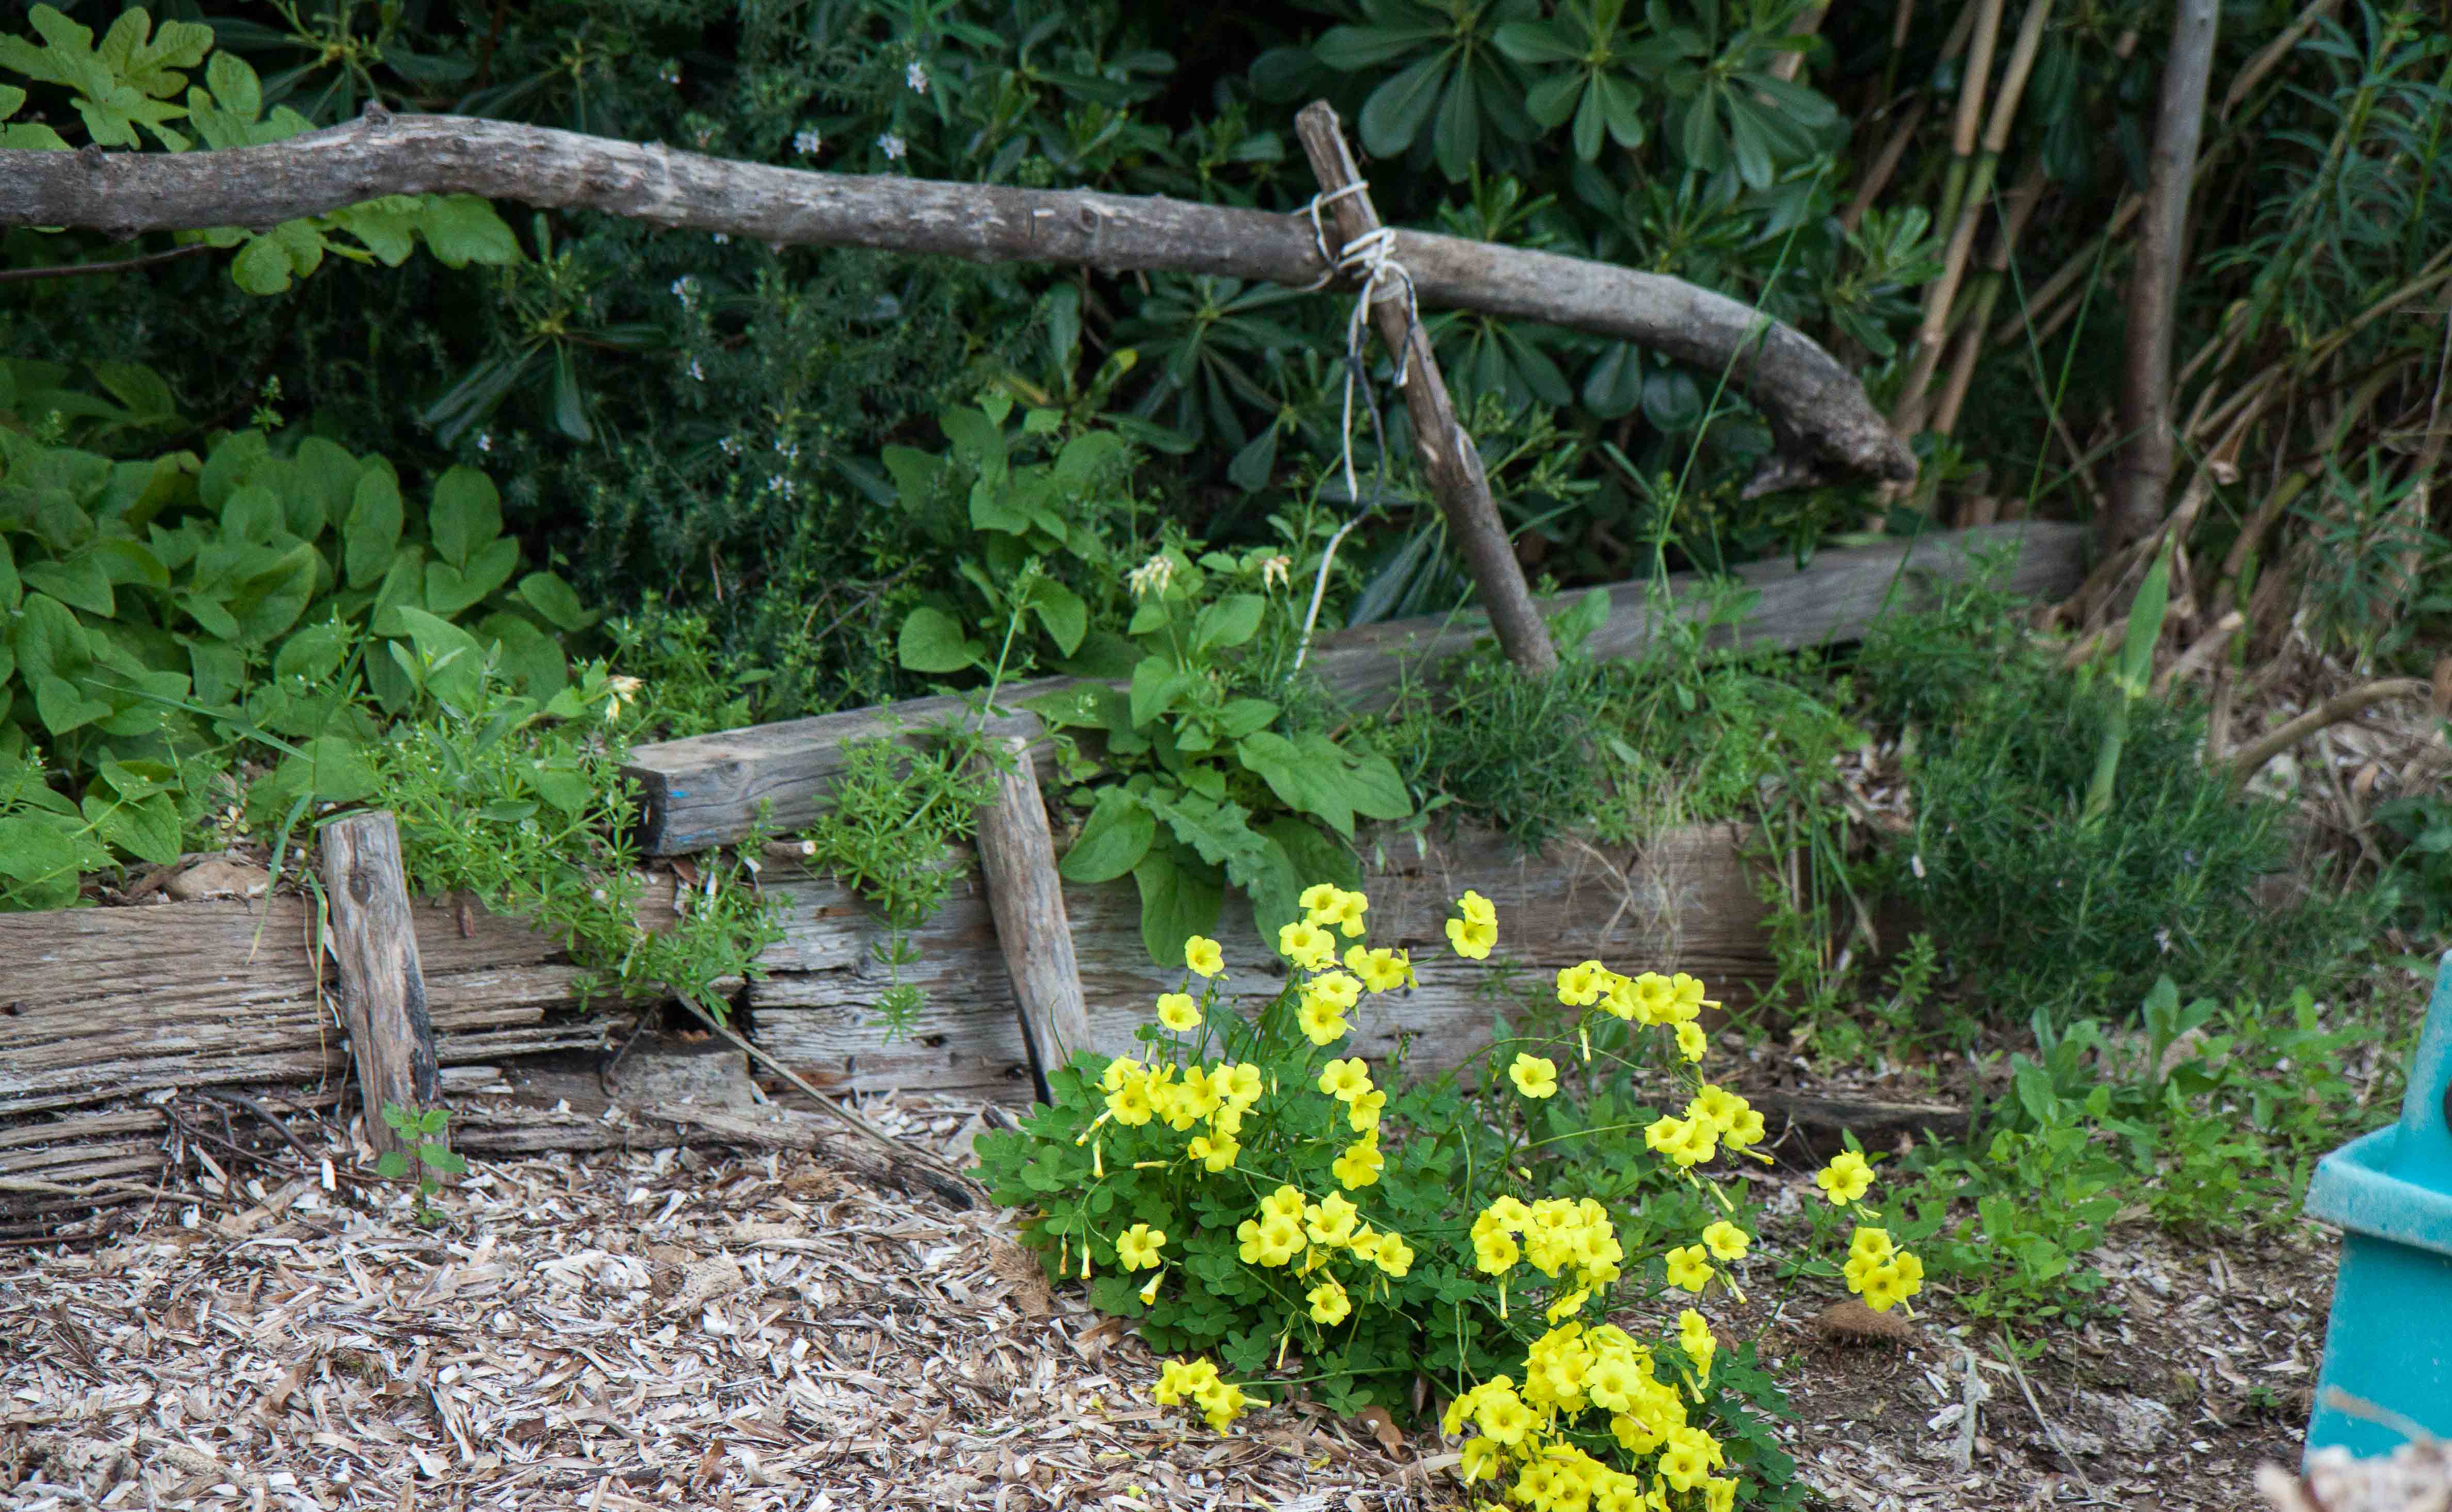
(2025, 894)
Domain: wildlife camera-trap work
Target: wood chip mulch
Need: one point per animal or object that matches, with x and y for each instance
(619, 1330)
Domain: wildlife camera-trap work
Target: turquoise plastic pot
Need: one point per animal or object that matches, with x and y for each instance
(2389, 1342)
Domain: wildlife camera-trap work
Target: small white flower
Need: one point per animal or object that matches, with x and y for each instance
(670, 72)
(780, 484)
(1151, 577)
(685, 291)
(1277, 571)
(721, 240)
(807, 141)
(916, 77)
(729, 446)
(892, 145)
(484, 441)
(697, 374)
(790, 451)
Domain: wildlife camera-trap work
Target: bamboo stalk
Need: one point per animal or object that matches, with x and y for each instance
(1941, 296)
(2143, 479)
(1970, 344)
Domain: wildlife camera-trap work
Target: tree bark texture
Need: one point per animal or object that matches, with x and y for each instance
(2145, 471)
(383, 988)
(1447, 455)
(1026, 898)
(1813, 403)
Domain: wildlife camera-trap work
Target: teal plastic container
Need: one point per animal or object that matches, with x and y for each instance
(2389, 1342)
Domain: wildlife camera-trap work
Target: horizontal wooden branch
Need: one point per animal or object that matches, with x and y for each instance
(708, 791)
(1817, 406)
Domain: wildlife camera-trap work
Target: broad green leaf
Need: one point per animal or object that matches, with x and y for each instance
(1349, 50)
(1062, 612)
(932, 641)
(1113, 841)
(567, 790)
(149, 831)
(449, 590)
(1230, 621)
(270, 601)
(1156, 681)
(1180, 897)
(323, 485)
(315, 653)
(1398, 109)
(62, 708)
(1294, 778)
(33, 850)
(234, 84)
(466, 514)
(373, 528)
(80, 581)
(530, 658)
(462, 228)
(548, 595)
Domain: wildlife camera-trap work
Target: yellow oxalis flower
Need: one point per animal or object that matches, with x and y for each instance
(1329, 1303)
(1136, 1247)
(1470, 940)
(1360, 1164)
(1318, 901)
(1337, 989)
(1870, 1244)
(1345, 1080)
(1203, 955)
(1533, 1075)
(1846, 1179)
(1307, 945)
(1688, 1270)
(1483, 1460)
(1181, 1380)
(1346, 914)
(1476, 909)
(1381, 968)
(1363, 1112)
(1393, 1256)
(1581, 986)
(1691, 1041)
(1330, 1221)
(1177, 1012)
(1725, 1241)
(1719, 1105)
(1322, 1023)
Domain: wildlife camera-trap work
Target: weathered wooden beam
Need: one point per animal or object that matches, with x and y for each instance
(1809, 398)
(1682, 900)
(1450, 460)
(383, 988)
(1026, 896)
(708, 791)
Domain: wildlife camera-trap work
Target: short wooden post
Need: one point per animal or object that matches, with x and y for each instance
(383, 990)
(1447, 455)
(1026, 898)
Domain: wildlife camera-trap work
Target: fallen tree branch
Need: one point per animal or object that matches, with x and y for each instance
(1815, 405)
(2331, 712)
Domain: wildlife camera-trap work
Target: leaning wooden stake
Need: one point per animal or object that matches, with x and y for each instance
(1448, 453)
(1026, 898)
(383, 988)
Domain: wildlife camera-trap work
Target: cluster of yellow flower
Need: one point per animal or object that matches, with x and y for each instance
(1572, 1369)
(1180, 1097)
(1559, 1234)
(1473, 935)
(1329, 993)
(1675, 1002)
(1878, 1270)
(1197, 1382)
(1290, 1224)
(1714, 1117)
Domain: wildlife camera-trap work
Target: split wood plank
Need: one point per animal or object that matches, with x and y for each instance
(1450, 460)
(102, 1003)
(1026, 898)
(382, 987)
(1682, 901)
(708, 791)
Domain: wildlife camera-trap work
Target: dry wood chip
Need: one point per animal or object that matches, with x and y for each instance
(610, 1331)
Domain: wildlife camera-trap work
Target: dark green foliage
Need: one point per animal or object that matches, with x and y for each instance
(2033, 904)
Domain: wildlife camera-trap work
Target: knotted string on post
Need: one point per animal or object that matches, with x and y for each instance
(1372, 256)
